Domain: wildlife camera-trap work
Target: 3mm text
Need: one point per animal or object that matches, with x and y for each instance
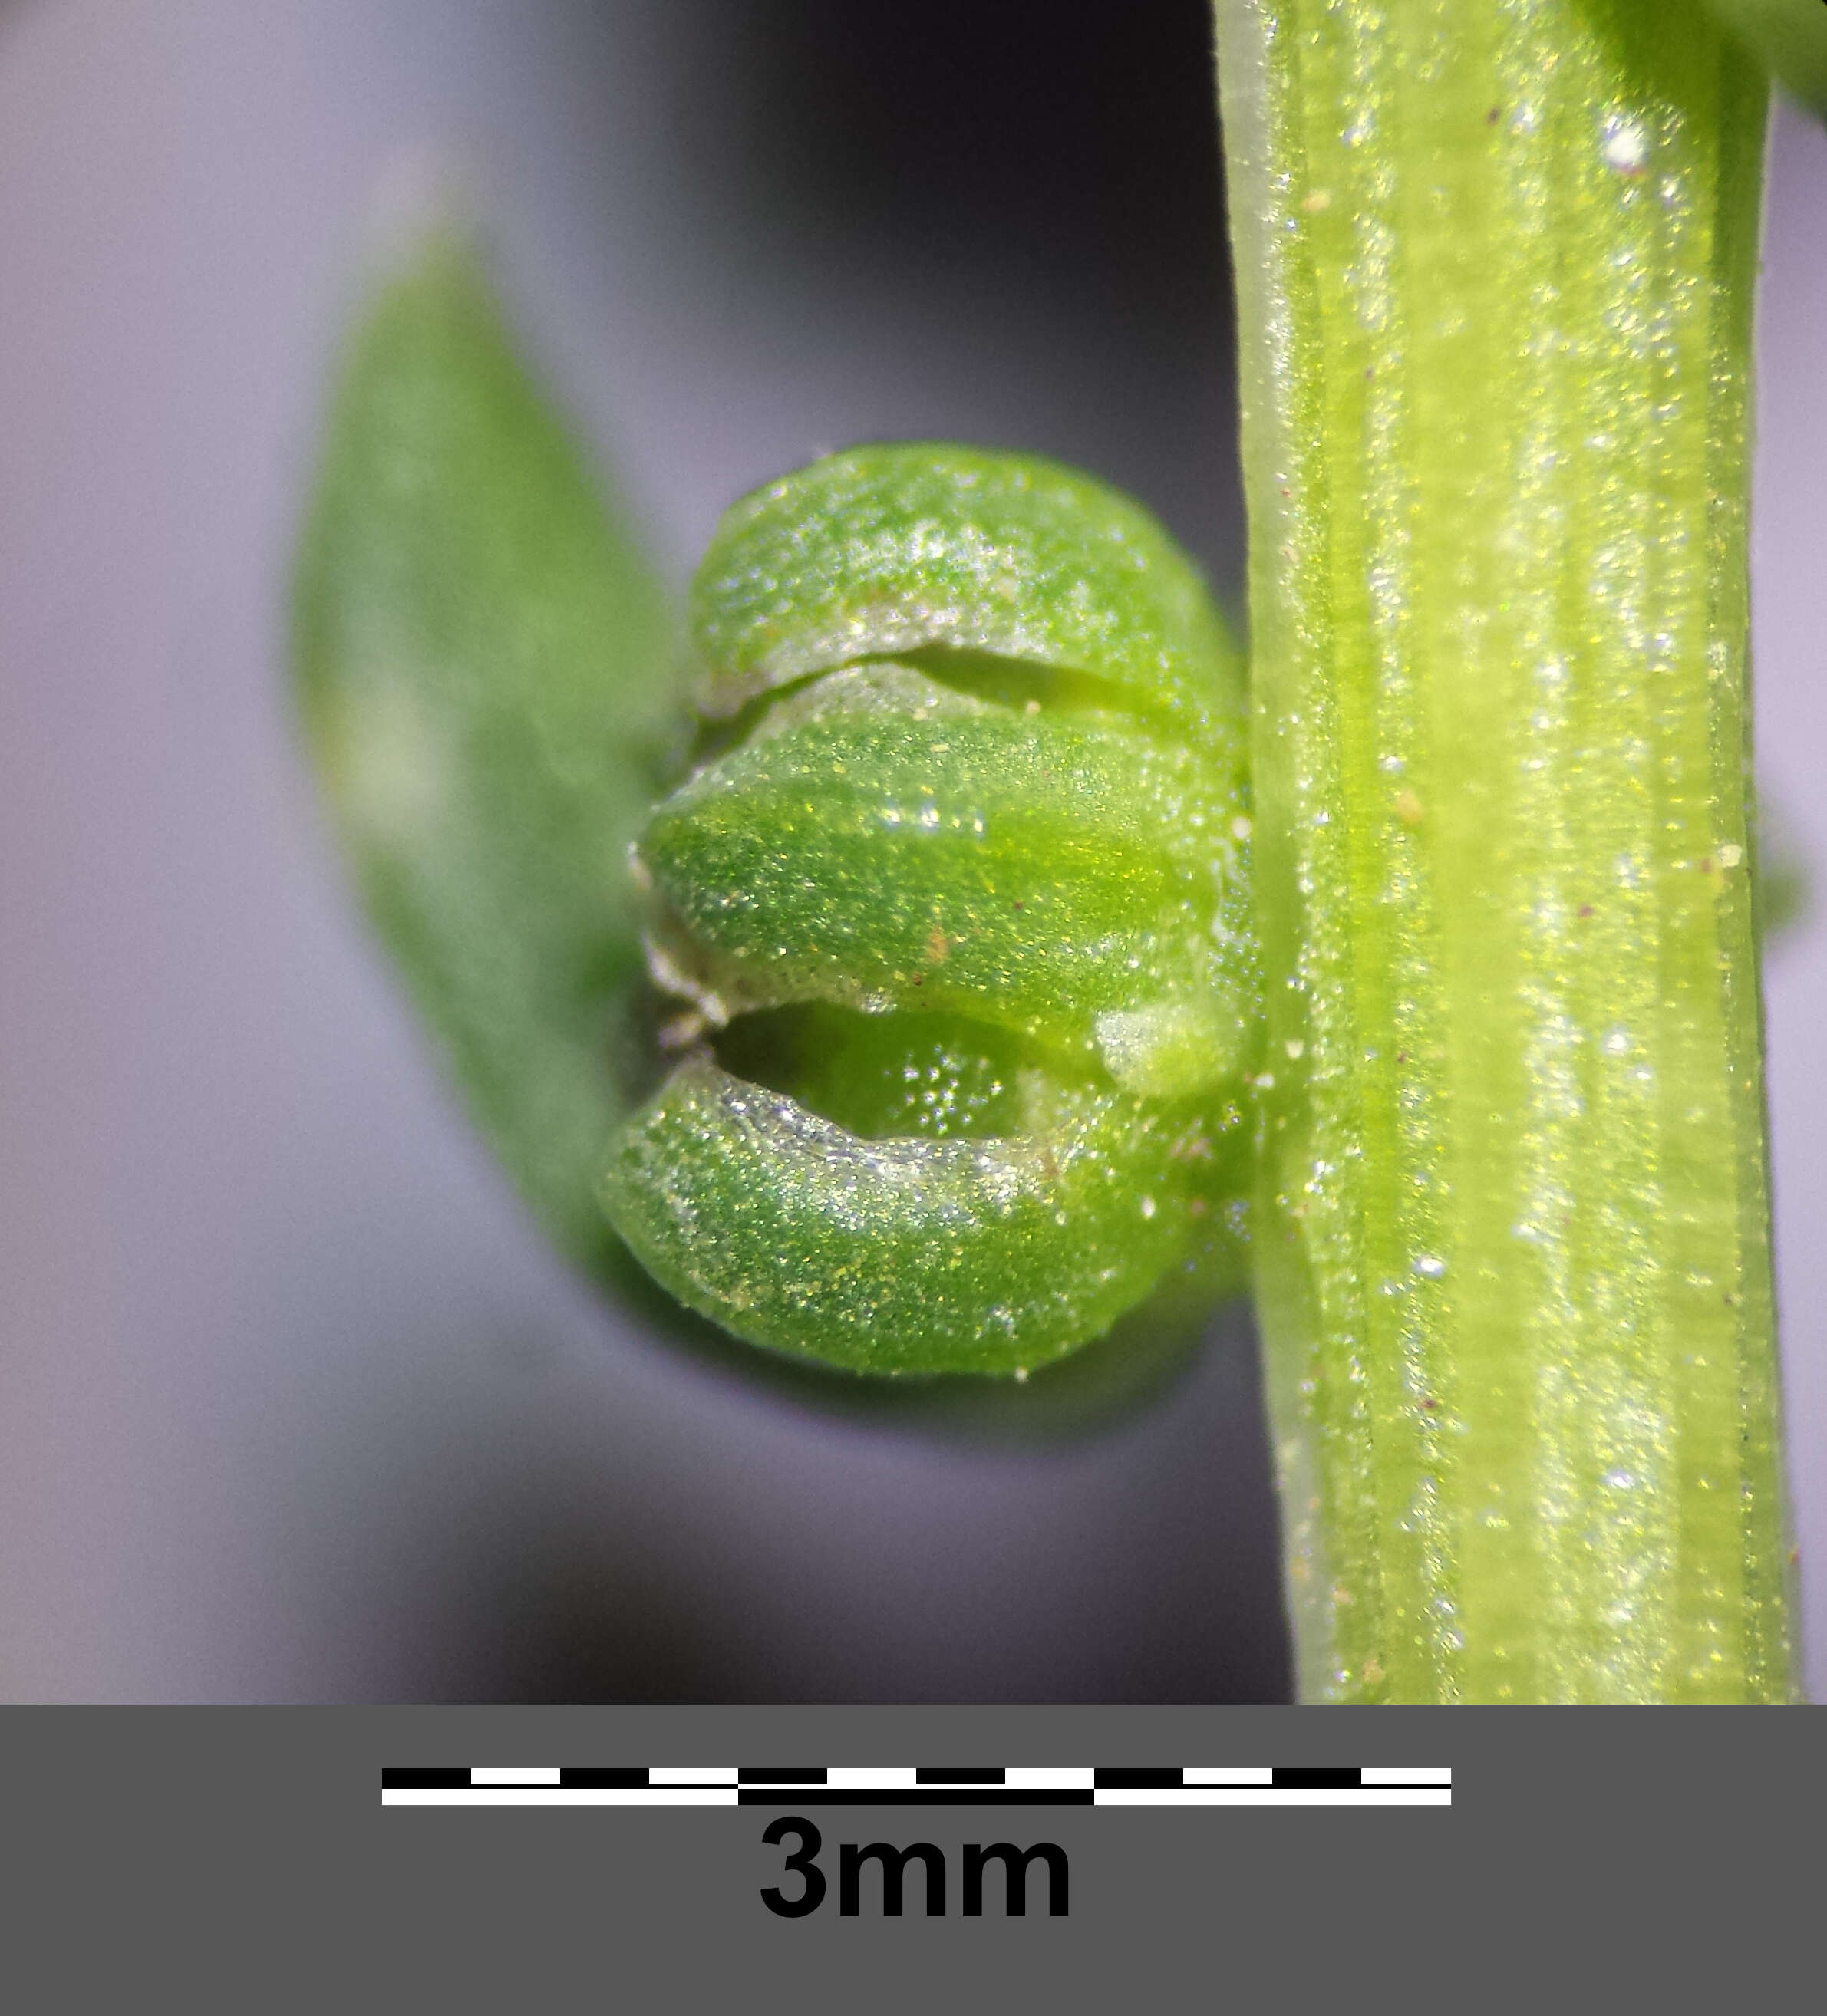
(1012, 1865)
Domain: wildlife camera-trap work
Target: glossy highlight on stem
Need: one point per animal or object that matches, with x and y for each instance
(1494, 271)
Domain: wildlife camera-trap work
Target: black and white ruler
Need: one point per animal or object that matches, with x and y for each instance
(910, 1785)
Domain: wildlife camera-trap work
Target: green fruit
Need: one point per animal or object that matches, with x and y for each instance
(964, 901)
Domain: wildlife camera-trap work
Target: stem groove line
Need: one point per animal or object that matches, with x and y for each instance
(1494, 272)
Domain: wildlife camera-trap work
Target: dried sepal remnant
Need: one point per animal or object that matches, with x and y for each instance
(955, 907)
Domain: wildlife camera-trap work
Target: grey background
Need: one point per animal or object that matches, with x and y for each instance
(1653, 1860)
(296, 1404)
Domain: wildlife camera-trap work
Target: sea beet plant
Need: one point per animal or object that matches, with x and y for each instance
(935, 991)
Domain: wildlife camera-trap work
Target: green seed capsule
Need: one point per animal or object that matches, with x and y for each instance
(883, 551)
(964, 907)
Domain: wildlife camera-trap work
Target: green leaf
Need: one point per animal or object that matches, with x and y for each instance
(482, 651)
(1791, 37)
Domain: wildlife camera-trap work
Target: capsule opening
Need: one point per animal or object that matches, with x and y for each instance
(904, 1074)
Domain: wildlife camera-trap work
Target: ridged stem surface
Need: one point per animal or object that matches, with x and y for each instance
(1494, 270)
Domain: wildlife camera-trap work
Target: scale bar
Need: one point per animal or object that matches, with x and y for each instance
(789, 1786)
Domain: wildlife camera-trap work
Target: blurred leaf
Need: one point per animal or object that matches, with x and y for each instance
(1791, 37)
(482, 653)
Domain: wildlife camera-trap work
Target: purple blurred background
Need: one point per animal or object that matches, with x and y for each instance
(296, 1404)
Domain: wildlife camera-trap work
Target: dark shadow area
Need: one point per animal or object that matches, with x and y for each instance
(562, 1587)
(1065, 154)
(1083, 133)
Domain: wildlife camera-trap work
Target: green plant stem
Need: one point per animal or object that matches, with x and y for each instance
(1494, 270)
